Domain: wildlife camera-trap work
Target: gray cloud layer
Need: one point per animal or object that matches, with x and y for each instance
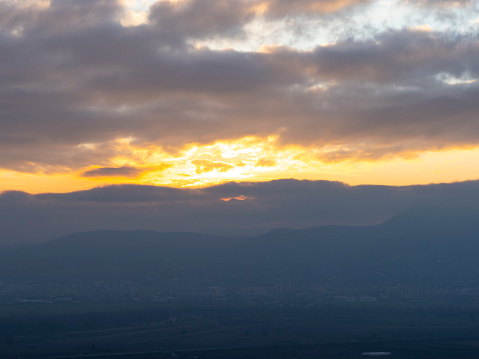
(230, 208)
(124, 171)
(71, 74)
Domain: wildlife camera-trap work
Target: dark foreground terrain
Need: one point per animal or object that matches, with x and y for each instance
(408, 287)
(326, 331)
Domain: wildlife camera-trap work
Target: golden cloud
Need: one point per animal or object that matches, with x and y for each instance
(204, 166)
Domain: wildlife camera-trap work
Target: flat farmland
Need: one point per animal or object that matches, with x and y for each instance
(232, 332)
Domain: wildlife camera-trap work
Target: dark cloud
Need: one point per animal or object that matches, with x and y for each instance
(200, 18)
(42, 18)
(257, 207)
(402, 57)
(114, 194)
(124, 171)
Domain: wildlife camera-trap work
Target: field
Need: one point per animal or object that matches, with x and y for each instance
(140, 331)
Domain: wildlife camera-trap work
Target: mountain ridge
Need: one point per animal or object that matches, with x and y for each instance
(418, 242)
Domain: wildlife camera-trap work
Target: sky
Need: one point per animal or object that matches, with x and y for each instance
(195, 93)
(233, 116)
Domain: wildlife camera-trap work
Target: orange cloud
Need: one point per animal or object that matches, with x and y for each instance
(204, 166)
(266, 162)
(286, 7)
(238, 198)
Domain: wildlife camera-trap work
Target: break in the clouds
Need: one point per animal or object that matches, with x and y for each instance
(282, 8)
(84, 89)
(439, 3)
(231, 208)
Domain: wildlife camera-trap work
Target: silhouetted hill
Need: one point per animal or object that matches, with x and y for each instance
(424, 242)
(421, 244)
(107, 254)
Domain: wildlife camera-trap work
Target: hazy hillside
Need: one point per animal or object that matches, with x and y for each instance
(420, 244)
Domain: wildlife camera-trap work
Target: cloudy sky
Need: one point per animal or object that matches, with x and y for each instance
(185, 97)
(192, 93)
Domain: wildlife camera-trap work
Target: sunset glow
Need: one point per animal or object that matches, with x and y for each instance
(195, 93)
(249, 159)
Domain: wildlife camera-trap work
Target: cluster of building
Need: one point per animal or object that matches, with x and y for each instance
(178, 291)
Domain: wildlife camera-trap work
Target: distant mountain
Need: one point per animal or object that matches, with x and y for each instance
(421, 244)
(112, 255)
(419, 241)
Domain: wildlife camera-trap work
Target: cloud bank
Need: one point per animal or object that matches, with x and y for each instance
(232, 208)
